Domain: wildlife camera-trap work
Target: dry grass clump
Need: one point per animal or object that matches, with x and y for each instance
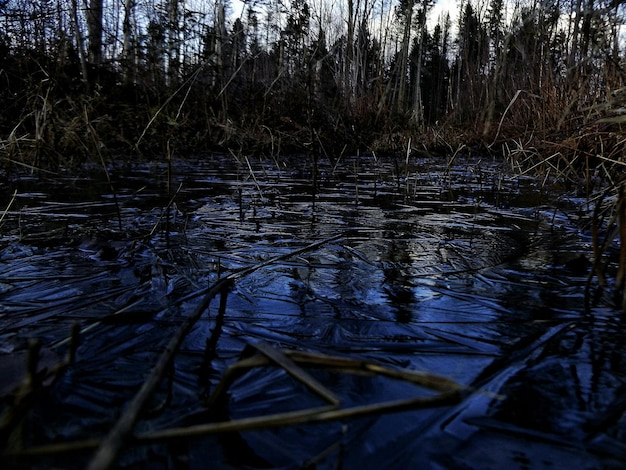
(588, 157)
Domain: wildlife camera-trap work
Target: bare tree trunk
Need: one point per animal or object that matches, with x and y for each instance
(220, 35)
(128, 54)
(349, 59)
(363, 59)
(94, 31)
(572, 59)
(219, 38)
(418, 108)
(404, 57)
(383, 35)
(80, 47)
(173, 43)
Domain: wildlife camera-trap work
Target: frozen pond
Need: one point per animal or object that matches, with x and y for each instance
(452, 268)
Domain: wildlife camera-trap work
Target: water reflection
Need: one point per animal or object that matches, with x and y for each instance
(433, 270)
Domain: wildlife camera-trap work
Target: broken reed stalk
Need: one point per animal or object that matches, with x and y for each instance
(282, 360)
(11, 422)
(168, 157)
(308, 416)
(119, 435)
(166, 211)
(96, 142)
(338, 160)
(620, 278)
(311, 415)
(407, 158)
(314, 183)
(449, 393)
(32, 168)
(323, 361)
(598, 252)
(11, 419)
(6, 210)
(356, 182)
(189, 82)
(615, 228)
(121, 432)
(503, 116)
(250, 170)
(336, 447)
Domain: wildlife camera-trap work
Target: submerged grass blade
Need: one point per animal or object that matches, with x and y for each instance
(297, 372)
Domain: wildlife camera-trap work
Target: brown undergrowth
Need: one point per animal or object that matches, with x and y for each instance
(588, 157)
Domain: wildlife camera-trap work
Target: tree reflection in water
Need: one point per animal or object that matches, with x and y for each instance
(474, 286)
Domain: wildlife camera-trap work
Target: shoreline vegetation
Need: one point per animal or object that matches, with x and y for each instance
(540, 84)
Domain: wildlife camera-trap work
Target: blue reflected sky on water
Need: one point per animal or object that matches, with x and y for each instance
(461, 272)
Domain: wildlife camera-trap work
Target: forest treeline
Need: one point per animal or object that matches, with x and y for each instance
(82, 79)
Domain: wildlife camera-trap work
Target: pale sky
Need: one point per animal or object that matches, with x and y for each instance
(451, 6)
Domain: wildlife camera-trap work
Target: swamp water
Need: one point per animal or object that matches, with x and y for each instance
(459, 270)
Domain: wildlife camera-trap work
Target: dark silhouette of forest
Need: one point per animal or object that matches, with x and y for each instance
(83, 79)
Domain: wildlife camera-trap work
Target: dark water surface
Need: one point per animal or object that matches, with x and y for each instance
(458, 270)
